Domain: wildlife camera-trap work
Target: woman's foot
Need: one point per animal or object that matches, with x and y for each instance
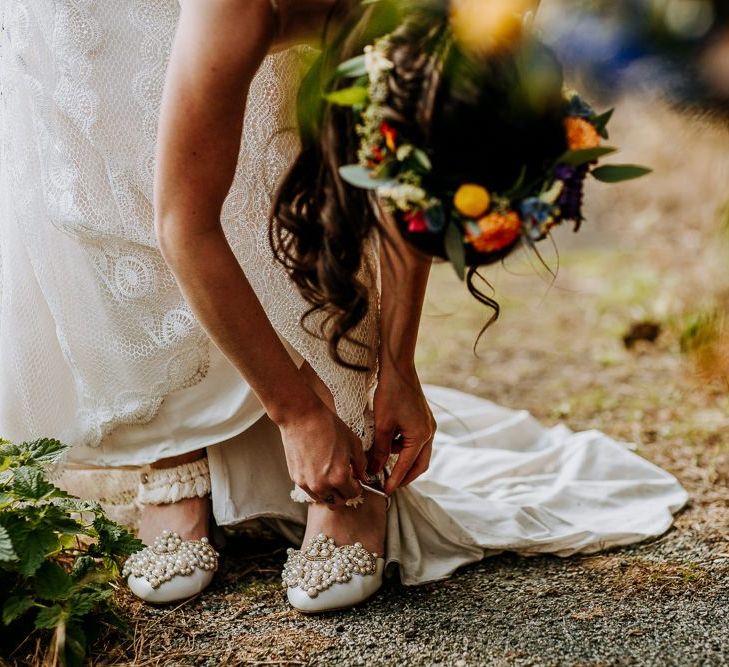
(341, 561)
(179, 561)
(189, 518)
(364, 524)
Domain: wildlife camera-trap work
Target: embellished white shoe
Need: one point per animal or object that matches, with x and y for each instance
(324, 577)
(171, 569)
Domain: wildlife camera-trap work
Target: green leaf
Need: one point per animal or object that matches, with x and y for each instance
(49, 617)
(348, 97)
(577, 158)
(7, 552)
(15, 607)
(353, 67)
(29, 483)
(73, 650)
(32, 544)
(600, 122)
(45, 451)
(360, 177)
(82, 566)
(422, 157)
(115, 540)
(454, 249)
(52, 582)
(615, 173)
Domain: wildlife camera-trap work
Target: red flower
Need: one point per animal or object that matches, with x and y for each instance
(416, 222)
(378, 155)
(390, 135)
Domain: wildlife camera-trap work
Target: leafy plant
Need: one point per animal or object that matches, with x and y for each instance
(58, 557)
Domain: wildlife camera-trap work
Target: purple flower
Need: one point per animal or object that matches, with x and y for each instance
(570, 201)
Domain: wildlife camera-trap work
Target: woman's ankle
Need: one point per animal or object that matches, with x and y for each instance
(189, 518)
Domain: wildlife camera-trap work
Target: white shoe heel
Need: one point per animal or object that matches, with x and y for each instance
(171, 569)
(324, 577)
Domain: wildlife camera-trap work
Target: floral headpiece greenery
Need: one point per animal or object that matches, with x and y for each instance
(477, 226)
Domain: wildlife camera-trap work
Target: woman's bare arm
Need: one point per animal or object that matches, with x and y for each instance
(400, 406)
(217, 50)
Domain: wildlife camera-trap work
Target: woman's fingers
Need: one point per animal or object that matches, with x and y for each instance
(421, 464)
(405, 461)
(381, 448)
(358, 459)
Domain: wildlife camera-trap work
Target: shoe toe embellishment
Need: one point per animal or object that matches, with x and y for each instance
(322, 564)
(171, 556)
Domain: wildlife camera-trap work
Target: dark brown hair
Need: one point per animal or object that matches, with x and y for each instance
(473, 115)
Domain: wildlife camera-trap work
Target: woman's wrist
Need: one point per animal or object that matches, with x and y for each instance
(294, 405)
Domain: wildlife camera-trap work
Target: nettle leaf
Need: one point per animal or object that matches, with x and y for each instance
(52, 582)
(32, 543)
(7, 552)
(616, 173)
(353, 67)
(360, 177)
(578, 158)
(45, 451)
(29, 483)
(49, 617)
(114, 539)
(83, 566)
(348, 97)
(454, 249)
(73, 651)
(15, 607)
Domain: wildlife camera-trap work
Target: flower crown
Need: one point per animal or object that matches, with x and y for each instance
(473, 222)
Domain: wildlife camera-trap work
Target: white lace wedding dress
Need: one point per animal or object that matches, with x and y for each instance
(98, 348)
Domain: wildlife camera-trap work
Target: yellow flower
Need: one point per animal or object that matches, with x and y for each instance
(581, 133)
(472, 200)
(498, 231)
(487, 25)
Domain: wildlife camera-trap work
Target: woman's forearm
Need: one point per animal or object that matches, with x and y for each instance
(223, 301)
(405, 275)
(218, 47)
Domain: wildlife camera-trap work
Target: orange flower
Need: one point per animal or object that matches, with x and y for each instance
(498, 230)
(581, 133)
(390, 135)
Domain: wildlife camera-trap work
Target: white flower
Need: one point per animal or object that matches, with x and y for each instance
(403, 195)
(552, 195)
(375, 62)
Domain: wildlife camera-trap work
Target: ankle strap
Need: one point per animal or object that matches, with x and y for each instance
(161, 486)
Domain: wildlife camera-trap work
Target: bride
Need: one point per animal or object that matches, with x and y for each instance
(111, 291)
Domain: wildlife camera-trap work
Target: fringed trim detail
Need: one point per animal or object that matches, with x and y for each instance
(298, 495)
(161, 486)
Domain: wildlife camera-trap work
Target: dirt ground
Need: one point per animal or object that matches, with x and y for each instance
(652, 252)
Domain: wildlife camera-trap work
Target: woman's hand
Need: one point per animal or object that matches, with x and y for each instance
(401, 410)
(324, 457)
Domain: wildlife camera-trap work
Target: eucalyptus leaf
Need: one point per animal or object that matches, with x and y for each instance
(455, 251)
(360, 177)
(422, 157)
(348, 97)
(616, 173)
(600, 122)
(580, 157)
(353, 67)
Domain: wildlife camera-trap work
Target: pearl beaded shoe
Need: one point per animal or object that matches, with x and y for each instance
(325, 577)
(171, 569)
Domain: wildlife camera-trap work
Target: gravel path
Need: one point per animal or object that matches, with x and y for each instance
(560, 354)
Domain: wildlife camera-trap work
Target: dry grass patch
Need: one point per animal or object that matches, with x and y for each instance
(628, 576)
